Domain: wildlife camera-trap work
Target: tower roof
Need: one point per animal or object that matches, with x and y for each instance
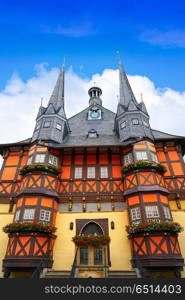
(57, 97)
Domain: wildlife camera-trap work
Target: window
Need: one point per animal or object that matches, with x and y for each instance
(45, 215)
(92, 134)
(29, 214)
(145, 123)
(84, 256)
(128, 158)
(47, 124)
(40, 158)
(78, 172)
(135, 213)
(91, 172)
(104, 172)
(123, 125)
(58, 126)
(135, 121)
(141, 155)
(152, 211)
(37, 126)
(17, 215)
(153, 156)
(53, 160)
(29, 160)
(167, 214)
(98, 256)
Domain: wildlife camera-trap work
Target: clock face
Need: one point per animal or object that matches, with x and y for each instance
(94, 114)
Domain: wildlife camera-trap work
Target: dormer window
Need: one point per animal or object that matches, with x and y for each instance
(92, 134)
(59, 126)
(135, 121)
(123, 125)
(47, 124)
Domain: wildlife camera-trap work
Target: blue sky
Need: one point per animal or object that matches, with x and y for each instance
(149, 34)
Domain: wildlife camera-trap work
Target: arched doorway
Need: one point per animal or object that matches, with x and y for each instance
(92, 259)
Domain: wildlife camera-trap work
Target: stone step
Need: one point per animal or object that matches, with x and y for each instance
(50, 273)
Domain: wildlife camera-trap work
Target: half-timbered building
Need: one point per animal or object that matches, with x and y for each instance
(92, 176)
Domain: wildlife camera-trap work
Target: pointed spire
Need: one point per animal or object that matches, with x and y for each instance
(57, 97)
(142, 105)
(126, 93)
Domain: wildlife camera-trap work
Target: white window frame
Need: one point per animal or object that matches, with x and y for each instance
(29, 214)
(45, 215)
(167, 214)
(17, 215)
(128, 158)
(59, 126)
(152, 211)
(104, 172)
(91, 172)
(141, 155)
(40, 158)
(135, 121)
(29, 160)
(123, 124)
(53, 160)
(135, 213)
(78, 172)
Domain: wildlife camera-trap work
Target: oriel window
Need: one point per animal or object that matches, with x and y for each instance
(40, 158)
(167, 214)
(45, 215)
(17, 215)
(53, 160)
(29, 214)
(152, 211)
(135, 213)
(141, 155)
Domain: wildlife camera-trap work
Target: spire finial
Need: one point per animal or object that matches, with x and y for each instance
(41, 101)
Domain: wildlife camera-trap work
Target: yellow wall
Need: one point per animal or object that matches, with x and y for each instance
(179, 217)
(5, 218)
(64, 250)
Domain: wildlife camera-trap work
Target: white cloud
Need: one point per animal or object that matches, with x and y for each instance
(174, 38)
(19, 101)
